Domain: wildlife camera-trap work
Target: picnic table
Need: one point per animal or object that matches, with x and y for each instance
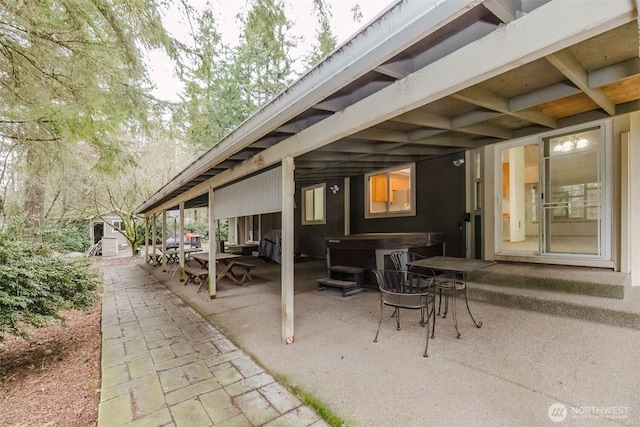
(173, 254)
(225, 263)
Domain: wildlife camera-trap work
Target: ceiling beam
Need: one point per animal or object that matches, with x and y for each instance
(377, 134)
(423, 118)
(504, 10)
(568, 65)
(397, 69)
(491, 100)
(340, 102)
(542, 96)
(614, 73)
(446, 141)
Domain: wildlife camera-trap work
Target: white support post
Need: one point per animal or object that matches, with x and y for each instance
(346, 191)
(212, 248)
(634, 199)
(164, 240)
(181, 242)
(154, 236)
(146, 237)
(287, 276)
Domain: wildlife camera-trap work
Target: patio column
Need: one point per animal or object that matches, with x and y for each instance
(633, 192)
(154, 237)
(164, 240)
(146, 237)
(212, 248)
(287, 276)
(181, 241)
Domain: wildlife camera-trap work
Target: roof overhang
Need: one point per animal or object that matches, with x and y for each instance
(427, 79)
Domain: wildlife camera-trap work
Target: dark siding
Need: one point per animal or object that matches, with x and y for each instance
(310, 239)
(440, 201)
(440, 206)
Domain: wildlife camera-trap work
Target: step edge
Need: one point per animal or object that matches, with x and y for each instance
(559, 285)
(611, 316)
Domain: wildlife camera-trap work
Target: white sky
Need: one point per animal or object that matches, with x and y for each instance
(343, 26)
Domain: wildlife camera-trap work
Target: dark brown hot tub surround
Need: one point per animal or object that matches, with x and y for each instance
(371, 250)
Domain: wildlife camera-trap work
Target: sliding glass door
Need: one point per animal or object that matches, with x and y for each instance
(573, 198)
(553, 196)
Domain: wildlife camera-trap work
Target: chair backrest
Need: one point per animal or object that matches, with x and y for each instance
(403, 282)
(399, 259)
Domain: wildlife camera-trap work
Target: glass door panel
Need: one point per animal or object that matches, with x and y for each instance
(573, 196)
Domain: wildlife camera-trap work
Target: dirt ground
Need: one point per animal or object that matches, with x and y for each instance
(53, 378)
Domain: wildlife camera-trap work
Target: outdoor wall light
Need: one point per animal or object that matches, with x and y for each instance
(458, 162)
(334, 188)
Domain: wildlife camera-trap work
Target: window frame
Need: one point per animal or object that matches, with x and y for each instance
(116, 225)
(389, 213)
(303, 192)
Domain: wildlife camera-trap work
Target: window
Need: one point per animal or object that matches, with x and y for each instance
(117, 225)
(313, 206)
(390, 192)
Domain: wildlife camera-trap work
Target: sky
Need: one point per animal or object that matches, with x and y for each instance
(167, 86)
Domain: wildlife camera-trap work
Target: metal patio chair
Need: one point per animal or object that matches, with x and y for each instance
(408, 290)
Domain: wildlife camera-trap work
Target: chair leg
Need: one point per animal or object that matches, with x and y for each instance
(397, 320)
(379, 322)
(429, 314)
(446, 303)
(433, 327)
(478, 324)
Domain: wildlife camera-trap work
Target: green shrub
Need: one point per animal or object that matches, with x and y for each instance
(67, 237)
(35, 285)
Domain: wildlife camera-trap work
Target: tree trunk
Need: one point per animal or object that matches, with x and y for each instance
(34, 194)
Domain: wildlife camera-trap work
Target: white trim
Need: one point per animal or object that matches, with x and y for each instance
(390, 214)
(303, 203)
(606, 259)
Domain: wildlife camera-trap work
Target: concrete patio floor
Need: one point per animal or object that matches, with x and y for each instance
(514, 371)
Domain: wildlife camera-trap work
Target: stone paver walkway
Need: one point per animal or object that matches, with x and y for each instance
(163, 364)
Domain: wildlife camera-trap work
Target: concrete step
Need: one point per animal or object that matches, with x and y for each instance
(572, 280)
(336, 283)
(617, 312)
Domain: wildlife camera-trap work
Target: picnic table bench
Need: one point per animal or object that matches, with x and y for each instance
(193, 274)
(245, 267)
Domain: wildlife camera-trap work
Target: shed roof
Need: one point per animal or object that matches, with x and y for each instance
(432, 78)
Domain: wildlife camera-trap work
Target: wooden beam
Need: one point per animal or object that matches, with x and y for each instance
(424, 118)
(542, 96)
(213, 247)
(164, 239)
(568, 65)
(487, 99)
(614, 73)
(181, 243)
(504, 10)
(377, 134)
(287, 266)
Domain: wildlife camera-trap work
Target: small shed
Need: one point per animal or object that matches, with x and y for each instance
(106, 226)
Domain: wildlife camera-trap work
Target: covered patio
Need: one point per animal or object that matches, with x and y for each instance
(435, 88)
(509, 372)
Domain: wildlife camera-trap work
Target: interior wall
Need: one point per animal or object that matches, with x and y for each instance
(440, 205)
